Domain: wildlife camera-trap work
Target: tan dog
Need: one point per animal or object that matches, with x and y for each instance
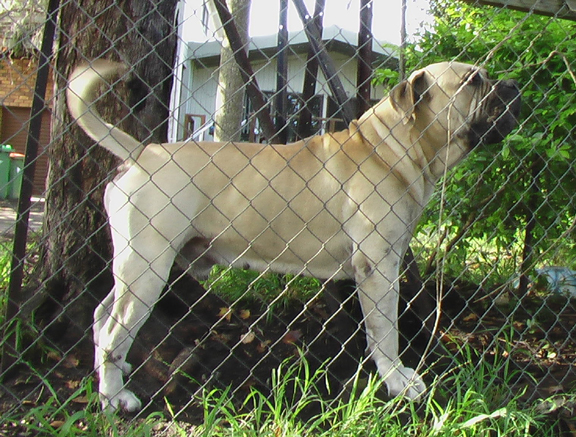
(340, 205)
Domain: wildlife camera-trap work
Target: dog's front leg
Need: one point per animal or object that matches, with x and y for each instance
(378, 291)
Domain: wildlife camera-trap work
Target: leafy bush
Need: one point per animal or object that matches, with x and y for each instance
(515, 197)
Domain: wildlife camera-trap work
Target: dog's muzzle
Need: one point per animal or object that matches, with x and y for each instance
(499, 114)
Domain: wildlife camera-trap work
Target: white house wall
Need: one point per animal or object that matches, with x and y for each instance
(199, 98)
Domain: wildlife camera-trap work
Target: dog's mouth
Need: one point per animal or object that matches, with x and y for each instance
(500, 117)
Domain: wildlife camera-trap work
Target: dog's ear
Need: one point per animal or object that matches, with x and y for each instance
(407, 94)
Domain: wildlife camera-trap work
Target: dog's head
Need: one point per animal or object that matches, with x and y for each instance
(456, 102)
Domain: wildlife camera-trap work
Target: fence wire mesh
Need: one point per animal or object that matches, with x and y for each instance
(489, 281)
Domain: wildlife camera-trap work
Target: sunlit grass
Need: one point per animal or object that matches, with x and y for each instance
(473, 399)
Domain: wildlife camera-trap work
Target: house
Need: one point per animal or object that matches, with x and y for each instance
(194, 96)
(21, 25)
(193, 111)
(17, 82)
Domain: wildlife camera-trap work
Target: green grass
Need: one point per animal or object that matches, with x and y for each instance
(5, 264)
(55, 418)
(270, 291)
(473, 402)
(469, 401)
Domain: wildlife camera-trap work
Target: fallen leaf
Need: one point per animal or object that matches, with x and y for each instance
(221, 337)
(251, 382)
(263, 346)
(248, 337)
(225, 313)
(72, 384)
(244, 314)
(53, 355)
(292, 337)
(57, 424)
(80, 400)
(71, 362)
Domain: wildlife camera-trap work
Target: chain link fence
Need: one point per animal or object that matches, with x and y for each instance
(489, 280)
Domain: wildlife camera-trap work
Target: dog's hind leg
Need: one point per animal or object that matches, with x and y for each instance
(101, 316)
(141, 270)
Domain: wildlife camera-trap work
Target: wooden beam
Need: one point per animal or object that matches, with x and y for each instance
(565, 9)
(325, 63)
(364, 72)
(281, 98)
(309, 85)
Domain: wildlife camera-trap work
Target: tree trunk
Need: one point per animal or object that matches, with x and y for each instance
(403, 37)
(532, 203)
(75, 255)
(230, 95)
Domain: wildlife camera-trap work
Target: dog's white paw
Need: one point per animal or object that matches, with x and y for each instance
(123, 400)
(404, 381)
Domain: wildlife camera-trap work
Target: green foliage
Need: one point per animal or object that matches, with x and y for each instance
(500, 189)
(5, 262)
(266, 289)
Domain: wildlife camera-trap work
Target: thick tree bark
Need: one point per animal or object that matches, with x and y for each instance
(230, 95)
(75, 255)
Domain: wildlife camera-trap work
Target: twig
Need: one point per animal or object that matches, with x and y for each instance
(545, 61)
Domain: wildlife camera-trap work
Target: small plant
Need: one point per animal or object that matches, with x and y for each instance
(475, 403)
(6, 266)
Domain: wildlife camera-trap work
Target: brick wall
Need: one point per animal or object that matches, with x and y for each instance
(17, 81)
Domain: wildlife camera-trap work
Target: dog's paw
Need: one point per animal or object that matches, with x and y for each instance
(124, 400)
(404, 381)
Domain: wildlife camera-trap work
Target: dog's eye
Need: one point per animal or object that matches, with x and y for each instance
(474, 78)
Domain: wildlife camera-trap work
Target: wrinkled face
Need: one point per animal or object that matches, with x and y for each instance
(465, 103)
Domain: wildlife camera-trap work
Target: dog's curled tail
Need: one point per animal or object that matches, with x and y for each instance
(81, 95)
